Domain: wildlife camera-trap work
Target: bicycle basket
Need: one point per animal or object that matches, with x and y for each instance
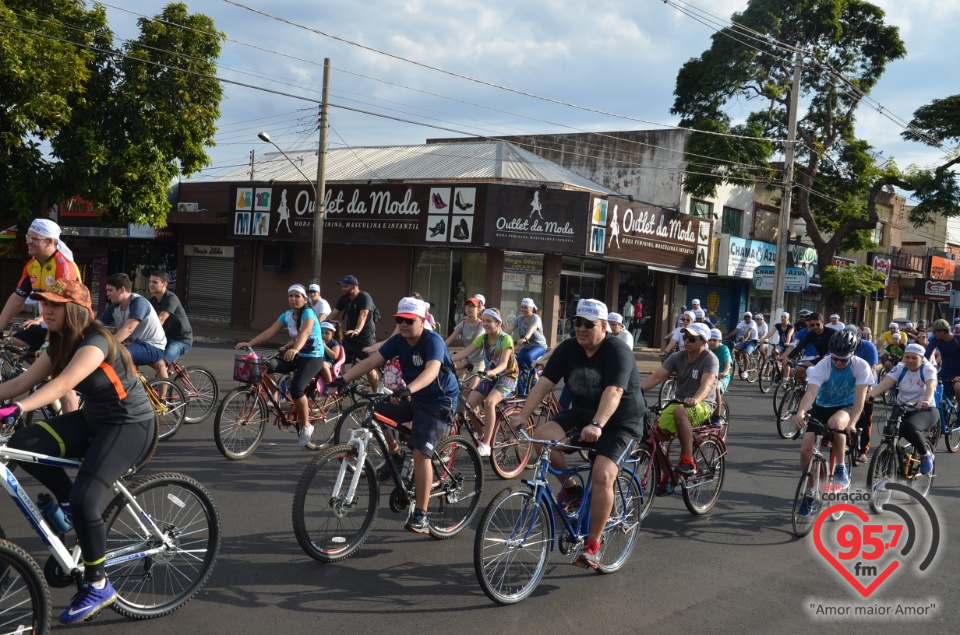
(247, 368)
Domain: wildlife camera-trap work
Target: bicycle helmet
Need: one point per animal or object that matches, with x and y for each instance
(804, 313)
(843, 344)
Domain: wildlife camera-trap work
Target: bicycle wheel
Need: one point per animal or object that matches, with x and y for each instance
(240, 423)
(623, 527)
(754, 372)
(952, 437)
(767, 376)
(171, 409)
(327, 526)
(923, 482)
(510, 452)
(512, 545)
(325, 412)
(786, 427)
(779, 394)
(158, 584)
(646, 470)
(668, 390)
(700, 492)
(881, 470)
(201, 390)
(457, 483)
(24, 595)
(724, 420)
(813, 480)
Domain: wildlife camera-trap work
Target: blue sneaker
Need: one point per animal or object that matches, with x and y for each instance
(840, 476)
(87, 602)
(809, 505)
(926, 463)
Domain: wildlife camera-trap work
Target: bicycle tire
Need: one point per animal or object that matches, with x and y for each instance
(623, 527)
(786, 427)
(754, 361)
(457, 486)
(668, 390)
(724, 420)
(647, 472)
(25, 605)
(881, 470)
(240, 423)
(951, 438)
(201, 390)
(816, 473)
(153, 586)
(326, 530)
(512, 545)
(935, 431)
(767, 377)
(510, 453)
(172, 409)
(700, 492)
(779, 394)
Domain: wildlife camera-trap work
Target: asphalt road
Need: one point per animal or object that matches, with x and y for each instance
(737, 569)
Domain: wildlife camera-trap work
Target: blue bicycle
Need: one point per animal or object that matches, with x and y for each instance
(949, 427)
(520, 526)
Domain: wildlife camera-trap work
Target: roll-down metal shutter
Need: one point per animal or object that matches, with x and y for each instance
(209, 289)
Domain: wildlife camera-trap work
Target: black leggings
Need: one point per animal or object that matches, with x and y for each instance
(107, 449)
(306, 368)
(916, 423)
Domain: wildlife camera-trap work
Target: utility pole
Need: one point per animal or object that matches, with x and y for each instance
(783, 235)
(253, 165)
(320, 211)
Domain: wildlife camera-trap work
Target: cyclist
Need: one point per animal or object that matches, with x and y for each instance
(746, 342)
(331, 334)
(676, 337)
(865, 332)
(697, 369)
(112, 431)
(887, 338)
(136, 321)
(528, 326)
(615, 321)
(500, 379)
(921, 337)
(467, 330)
(176, 325)
(429, 399)
(700, 316)
(893, 353)
(763, 329)
(836, 391)
(718, 348)
(355, 309)
(302, 355)
(948, 346)
(320, 306)
(817, 338)
(607, 411)
(834, 324)
(916, 382)
(784, 332)
(867, 351)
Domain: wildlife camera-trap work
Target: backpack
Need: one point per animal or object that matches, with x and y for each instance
(937, 394)
(375, 315)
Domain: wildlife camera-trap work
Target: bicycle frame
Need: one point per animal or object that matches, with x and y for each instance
(947, 410)
(656, 440)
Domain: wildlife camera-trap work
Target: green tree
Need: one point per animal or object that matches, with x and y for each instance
(840, 283)
(848, 47)
(118, 123)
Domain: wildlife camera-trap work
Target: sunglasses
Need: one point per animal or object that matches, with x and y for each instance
(580, 323)
(815, 325)
(691, 338)
(406, 321)
(842, 362)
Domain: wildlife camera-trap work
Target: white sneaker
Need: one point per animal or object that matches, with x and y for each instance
(743, 376)
(305, 433)
(483, 449)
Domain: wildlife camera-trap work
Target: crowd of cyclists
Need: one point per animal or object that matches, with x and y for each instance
(605, 401)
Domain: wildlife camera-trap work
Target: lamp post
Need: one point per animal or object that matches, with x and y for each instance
(265, 137)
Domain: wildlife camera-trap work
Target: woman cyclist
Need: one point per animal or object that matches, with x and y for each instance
(467, 330)
(302, 355)
(114, 429)
(529, 330)
(499, 381)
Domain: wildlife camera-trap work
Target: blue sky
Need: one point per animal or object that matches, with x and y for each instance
(617, 56)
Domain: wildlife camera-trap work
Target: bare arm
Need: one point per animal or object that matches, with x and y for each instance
(84, 361)
(124, 331)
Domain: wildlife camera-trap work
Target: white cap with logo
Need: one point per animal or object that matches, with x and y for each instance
(411, 308)
(592, 309)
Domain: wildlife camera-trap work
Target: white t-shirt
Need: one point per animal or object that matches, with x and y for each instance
(678, 336)
(836, 327)
(747, 332)
(322, 307)
(837, 386)
(913, 385)
(761, 328)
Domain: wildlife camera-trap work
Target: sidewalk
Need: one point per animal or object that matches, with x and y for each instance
(648, 359)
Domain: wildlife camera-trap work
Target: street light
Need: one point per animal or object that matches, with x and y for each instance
(265, 137)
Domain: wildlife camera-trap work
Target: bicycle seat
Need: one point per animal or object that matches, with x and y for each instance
(337, 368)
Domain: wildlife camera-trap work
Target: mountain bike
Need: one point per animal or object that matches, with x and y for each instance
(163, 535)
(790, 393)
(896, 461)
(770, 374)
(199, 388)
(337, 497)
(24, 596)
(520, 526)
(651, 462)
(949, 427)
(242, 416)
(818, 481)
(753, 365)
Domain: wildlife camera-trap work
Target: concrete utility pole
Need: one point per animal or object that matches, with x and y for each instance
(320, 211)
(777, 304)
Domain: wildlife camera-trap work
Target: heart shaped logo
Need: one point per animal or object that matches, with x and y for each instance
(825, 550)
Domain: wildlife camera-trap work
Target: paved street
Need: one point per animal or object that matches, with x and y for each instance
(737, 569)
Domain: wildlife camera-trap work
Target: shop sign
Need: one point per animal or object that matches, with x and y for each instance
(937, 289)
(76, 207)
(145, 231)
(838, 261)
(739, 256)
(941, 268)
(804, 257)
(388, 214)
(796, 279)
(639, 232)
(535, 219)
(95, 232)
(883, 264)
(210, 251)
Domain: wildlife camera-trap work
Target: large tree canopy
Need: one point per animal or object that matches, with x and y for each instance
(847, 46)
(80, 116)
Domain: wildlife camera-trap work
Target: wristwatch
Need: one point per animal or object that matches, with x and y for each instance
(596, 423)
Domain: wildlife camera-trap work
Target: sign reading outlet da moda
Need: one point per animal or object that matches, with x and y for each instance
(740, 257)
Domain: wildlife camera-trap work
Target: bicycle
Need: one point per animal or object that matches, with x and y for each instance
(527, 379)
(819, 476)
(163, 535)
(790, 393)
(770, 374)
(199, 388)
(896, 461)
(652, 464)
(949, 431)
(337, 497)
(518, 529)
(753, 365)
(171, 409)
(241, 419)
(24, 596)
(668, 390)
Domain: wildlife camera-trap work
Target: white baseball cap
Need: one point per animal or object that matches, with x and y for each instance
(689, 314)
(909, 325)
(785, 314)
(834, 315)
(895, 336)
(699, 313)
(592, 309)
(715, 334)
(747, 314)
(314, 287)
(615, 317)
(699, 329)
(411, 308)
(695, 302)
(894, 325)
(482, 299)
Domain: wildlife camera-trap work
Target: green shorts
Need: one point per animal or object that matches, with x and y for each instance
(698, 415)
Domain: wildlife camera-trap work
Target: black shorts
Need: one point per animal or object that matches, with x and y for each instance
(614, 439)
(823, 414)
(430, 421)
(354, 347)
(33, 337)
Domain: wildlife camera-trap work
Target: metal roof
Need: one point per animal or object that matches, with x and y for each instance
(473, 161)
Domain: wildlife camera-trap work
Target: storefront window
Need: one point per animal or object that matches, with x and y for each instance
(446, 279)
(579, 279)
(522, 278)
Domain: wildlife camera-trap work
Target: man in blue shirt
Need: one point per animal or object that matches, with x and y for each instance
(948, 346)
(429, 400)
(867, 351)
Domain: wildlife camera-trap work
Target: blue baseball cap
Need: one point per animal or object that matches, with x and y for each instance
(350, 280)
